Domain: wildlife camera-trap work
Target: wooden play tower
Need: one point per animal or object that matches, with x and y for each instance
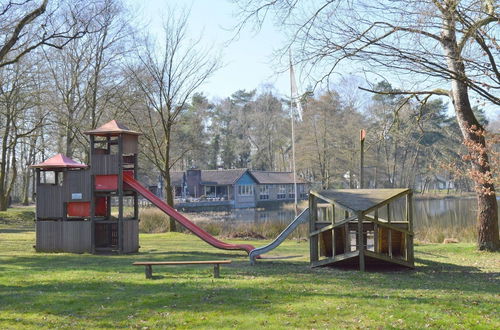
(361, 227)
(80, 208)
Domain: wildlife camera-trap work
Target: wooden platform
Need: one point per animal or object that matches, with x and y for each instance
(345, 228)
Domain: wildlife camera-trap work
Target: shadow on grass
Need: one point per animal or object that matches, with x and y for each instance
(17, 230)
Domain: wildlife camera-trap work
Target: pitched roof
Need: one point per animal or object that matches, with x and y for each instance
(359, 200)
(59, 161)
(111, 128)
(223, 177)
(266, 177)
(176, 178)
(229, 177)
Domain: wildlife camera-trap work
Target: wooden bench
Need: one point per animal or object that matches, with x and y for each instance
(149, 265)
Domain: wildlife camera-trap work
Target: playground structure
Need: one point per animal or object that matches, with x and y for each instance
(346, 228)
(73, 205)
(74, 211)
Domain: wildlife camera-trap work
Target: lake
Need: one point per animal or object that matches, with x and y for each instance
(434, 219)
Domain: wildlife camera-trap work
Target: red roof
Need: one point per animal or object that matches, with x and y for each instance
(112, 128)
(59, 161)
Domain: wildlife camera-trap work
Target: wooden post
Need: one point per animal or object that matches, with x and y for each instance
(362, 135)
(375, 232)
(389, 231)
(149, 271)
(37, 178)
(216, 271)
(333, 231)
(120, 193)
(92, 212)
(136, 195)
(360, 244)
(313, 240)
(347, 234)
(409, 218)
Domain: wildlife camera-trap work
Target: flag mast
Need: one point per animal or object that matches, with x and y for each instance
(292, 80)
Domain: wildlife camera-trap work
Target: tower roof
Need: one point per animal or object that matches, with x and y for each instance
(112, 128)
(59, 161)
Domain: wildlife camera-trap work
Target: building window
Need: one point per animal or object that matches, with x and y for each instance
(302, 191)
(291, 192)
(264, 192)
(245, 190)
(210, 191)
(281, 191)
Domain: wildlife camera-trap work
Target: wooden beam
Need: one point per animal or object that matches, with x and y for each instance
(386, 224)
(337, 258)
(332, 226)
(386, 258)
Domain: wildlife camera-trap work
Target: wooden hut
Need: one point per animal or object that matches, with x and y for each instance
(361, 227)
(63, 199)
(74, 201)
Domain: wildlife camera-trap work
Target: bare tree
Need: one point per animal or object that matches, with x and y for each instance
(84, 74)
(433, 42)
(167, 74)
(31, 24)
(17, 121)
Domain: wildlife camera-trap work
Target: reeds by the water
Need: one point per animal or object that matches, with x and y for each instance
(437, 234)
(217, 224)
(220, 224)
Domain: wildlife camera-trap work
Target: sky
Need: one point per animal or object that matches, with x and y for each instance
(247, 61)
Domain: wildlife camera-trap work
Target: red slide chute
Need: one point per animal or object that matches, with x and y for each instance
(129, 179)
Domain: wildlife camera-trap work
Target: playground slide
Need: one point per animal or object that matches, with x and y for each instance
(129, 179)
(301, 218)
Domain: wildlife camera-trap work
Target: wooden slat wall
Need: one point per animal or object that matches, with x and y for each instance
(77, 182)
(76, 236)
(63, 236)
(105, 164)
(49, 201)
(130, 236)
(48, 236)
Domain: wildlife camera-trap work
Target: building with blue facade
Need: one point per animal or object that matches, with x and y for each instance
(238, 188)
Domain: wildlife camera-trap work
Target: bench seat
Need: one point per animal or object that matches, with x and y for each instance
(149, 265)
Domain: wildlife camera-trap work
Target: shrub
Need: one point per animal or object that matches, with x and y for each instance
(153, 220)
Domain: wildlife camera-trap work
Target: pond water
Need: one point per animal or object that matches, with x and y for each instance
(445, 213)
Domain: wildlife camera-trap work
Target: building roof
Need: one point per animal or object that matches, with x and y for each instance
(359, 200)
(176, 178)
(111, 128)
(231, 176)
(59, 161)
(265, 177)
(221, 177)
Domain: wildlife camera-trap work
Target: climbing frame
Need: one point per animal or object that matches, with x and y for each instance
(361, 227)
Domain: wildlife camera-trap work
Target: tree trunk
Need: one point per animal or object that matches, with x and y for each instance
(168, 182)
(487, 217)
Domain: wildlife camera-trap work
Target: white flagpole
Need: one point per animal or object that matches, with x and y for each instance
(293, 137)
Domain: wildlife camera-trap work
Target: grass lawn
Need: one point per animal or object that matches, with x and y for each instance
(453, 286)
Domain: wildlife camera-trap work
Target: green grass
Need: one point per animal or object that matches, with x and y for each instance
(453, 286)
